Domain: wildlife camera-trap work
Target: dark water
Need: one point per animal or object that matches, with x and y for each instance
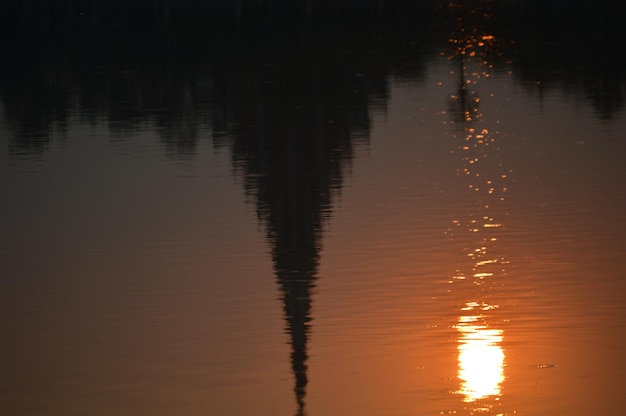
(321, 208)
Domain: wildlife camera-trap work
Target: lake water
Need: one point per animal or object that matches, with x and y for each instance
(374, 208)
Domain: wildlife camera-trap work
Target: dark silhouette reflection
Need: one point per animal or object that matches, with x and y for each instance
(463, 45)
(291, 143)
(292, 109)
(139, 65)
(143, 65)
(570, 46)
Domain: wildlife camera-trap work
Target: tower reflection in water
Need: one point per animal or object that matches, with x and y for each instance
(292, 120)
(481, 357)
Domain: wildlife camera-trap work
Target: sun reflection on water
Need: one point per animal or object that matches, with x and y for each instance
(481, 271)
(481, 357)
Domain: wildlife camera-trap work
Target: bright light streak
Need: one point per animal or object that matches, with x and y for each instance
(481, 358)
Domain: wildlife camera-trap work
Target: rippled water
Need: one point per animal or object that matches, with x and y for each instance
(390, 210)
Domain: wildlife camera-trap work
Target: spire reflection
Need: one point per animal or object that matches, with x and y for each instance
(292, 117)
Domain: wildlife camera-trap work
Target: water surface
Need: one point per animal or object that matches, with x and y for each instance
(373, 209)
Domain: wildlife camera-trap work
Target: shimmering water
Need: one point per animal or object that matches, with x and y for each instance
(375, 208)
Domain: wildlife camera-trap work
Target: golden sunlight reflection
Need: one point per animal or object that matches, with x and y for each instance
(483, 186)
(481, 357)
